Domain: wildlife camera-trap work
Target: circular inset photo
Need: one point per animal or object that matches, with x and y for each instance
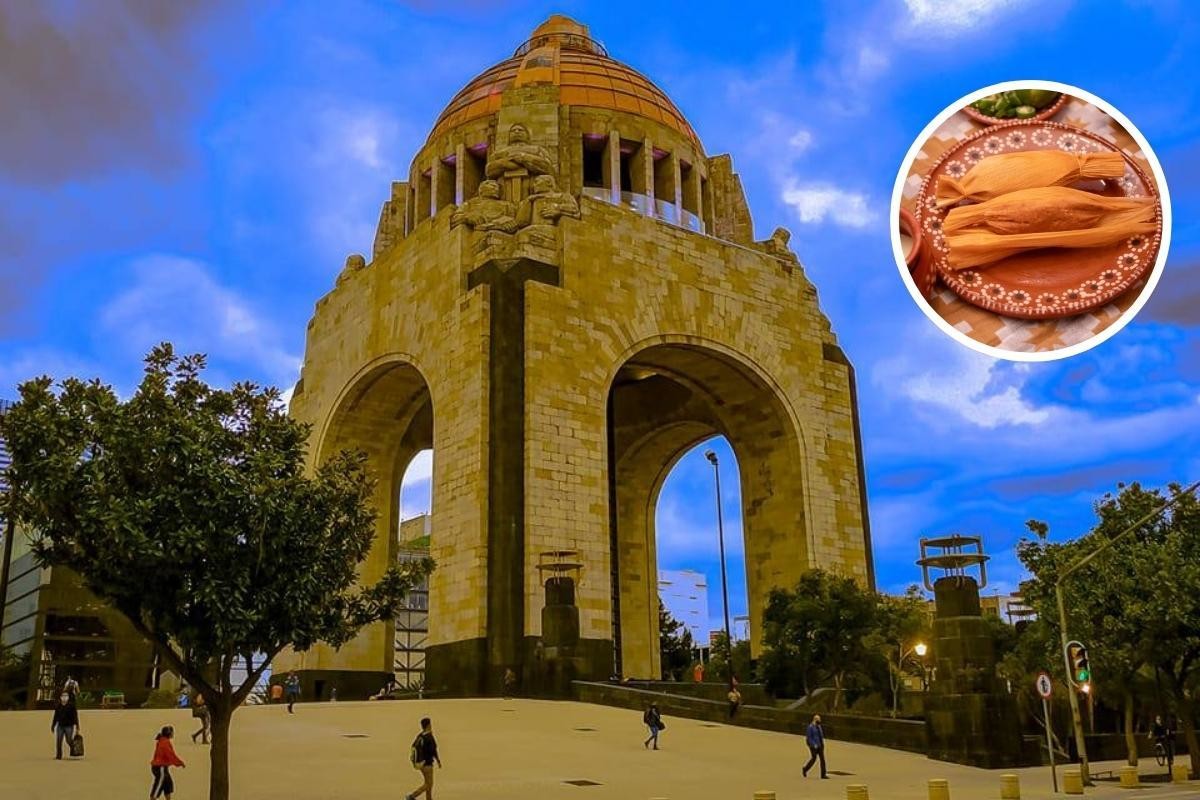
(1031, 220)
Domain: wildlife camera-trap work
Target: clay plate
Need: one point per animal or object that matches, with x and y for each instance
(1046, 113)
(1051, 282)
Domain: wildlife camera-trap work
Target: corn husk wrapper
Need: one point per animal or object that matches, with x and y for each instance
(1009, 172)
(1055, 216)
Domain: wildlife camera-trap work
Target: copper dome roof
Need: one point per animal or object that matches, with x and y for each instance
(561, 53)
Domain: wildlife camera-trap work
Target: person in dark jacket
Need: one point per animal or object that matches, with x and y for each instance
(815, 736)
(65, 723)
(293, 691)
(653, 720)
(1163, 733)
(200, 711)
(425, 754)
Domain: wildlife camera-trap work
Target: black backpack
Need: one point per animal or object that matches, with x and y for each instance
(417, 753)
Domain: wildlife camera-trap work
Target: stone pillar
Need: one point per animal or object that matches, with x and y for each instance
(613, 166)
(460, 171)
(969, 716)
(677, 178)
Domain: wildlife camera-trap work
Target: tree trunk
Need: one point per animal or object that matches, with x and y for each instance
(1186, 717)
(218, 781)
(1131, 757)
(895, 694)
(837, 696)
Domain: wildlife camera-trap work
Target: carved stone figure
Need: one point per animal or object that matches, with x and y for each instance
(519, 154)
(546, 204)
(777, 246)
(486, 211)
(354, 263)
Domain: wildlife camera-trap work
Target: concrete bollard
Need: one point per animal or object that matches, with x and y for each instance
(1010, 787)
(1179, 773)
(1129, 777)
(1072, 781)
(763, 794)
(857, 791)
(939, 789)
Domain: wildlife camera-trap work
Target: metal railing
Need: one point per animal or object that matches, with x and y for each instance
(667, 212)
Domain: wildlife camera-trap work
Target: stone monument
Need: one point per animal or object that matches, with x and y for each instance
(970, 718)
(564, 296)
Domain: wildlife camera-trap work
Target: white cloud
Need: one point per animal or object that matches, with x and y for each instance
(176, 299)
(814, 203)
(335, 167)
(285, 397)
(801, 140)
(420, 469)
(871, 61)
(965, 391)
(936, 372)
(955, 15)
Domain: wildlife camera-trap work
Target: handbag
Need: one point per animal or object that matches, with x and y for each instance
(77, 746)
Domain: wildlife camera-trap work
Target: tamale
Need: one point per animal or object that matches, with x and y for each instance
(1029, 169)
(1054, 216)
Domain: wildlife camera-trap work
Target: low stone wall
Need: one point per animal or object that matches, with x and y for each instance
(1111, 746)
(752, 693)
(894, 733)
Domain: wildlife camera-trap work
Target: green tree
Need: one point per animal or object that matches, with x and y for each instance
(675, 645)
(900, 624)
(817, 630)
(187, 508)
(1135, 606)
(722, 662)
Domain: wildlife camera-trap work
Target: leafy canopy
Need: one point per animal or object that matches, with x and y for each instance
(187, 508)
(675, 644)
(1137, 605)
(814, 631)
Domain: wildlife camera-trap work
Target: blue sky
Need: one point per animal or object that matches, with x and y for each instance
(200, 176)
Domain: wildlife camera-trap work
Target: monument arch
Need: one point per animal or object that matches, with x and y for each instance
(667, 396)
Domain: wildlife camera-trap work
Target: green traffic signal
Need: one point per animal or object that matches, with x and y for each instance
(1082, 676)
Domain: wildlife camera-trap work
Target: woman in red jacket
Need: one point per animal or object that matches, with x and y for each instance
(164, 759)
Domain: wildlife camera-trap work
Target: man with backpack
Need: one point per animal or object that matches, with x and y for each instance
(653, 720)
(424, 755)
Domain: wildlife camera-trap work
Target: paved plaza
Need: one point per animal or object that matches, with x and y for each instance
(491, 749)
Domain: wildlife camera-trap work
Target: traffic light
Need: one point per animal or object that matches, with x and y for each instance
(1081, 670)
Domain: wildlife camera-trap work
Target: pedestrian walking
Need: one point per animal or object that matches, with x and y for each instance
(65, 724)
(815, 736)
(735, 701)
(653, 720)
(293, 691)
(510, 683)
(71, 686)
(424, 755)
(200, 712)
(160, 765)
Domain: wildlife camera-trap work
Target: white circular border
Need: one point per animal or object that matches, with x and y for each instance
(999, 352)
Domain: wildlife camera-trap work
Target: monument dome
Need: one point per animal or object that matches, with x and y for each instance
(561, 53)
(565, 295)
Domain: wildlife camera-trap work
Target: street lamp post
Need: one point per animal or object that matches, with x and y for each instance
(712, 457)
(921, 649)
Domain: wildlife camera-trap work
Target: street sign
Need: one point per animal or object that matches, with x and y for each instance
(1044, 686)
